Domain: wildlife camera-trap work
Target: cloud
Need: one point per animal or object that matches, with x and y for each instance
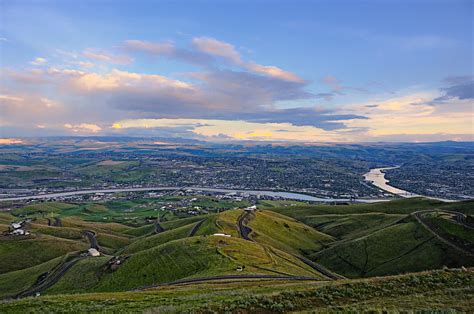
(323, 119)
(204, 52)
(106, 57)
(216, 94)
(224, 130)
(10, 141)
(460, 91)
(458, 88)
(273, 71)
(411, 116)
(27, 109)
(218, 48)
(38, 61)
(83, 128)
(169, 50)
(333, 82)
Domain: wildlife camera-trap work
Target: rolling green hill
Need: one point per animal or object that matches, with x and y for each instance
(402, 247)
(288, 240)
(285, 233)
(18, 254)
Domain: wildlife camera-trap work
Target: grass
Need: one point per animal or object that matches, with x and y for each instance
(435, 291)
(200, 257)
(158, 239)
(285, 233)
(60, 232)
(42, 208)
(112, 241)
(464, 236)
(140, 231)
(18, 254)
(17, 281)
(176, 223)
(374, 240)
(226, 222)
(350, 226)
(401, 206)
(400, 248)
(84, 275)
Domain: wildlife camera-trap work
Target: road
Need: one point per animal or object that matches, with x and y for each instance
(228, 277)
(195, 228)
(245, 231)
(243, 228)
(460, 218)
(158, 228)
(50, 279)
(92, 239)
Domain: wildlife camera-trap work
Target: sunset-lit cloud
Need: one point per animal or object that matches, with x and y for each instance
(10, 141)
(225, 130)
(270, 81)
(83, 128)
(217, 48)
(106, 57)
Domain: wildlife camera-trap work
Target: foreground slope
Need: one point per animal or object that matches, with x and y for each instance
(435, 291)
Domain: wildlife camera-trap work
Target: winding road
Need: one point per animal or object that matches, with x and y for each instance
(92, 239)
(46, 280)
(158, 228)
(245, 231)
(195, 228)
(460, 219)
(49, 279)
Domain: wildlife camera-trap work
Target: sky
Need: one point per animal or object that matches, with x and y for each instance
(225, 71)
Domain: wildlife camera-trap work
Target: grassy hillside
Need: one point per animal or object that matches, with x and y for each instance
(158, 239)
(403, 247)
(463, 236)
(19, 254)
(200, 257)
(347, 226)
(436, 291)
(285, 233)
(82, 276)
(17, 281)
(356, 241)
(401, 206)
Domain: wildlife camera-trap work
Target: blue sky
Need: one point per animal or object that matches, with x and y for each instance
(310, 71)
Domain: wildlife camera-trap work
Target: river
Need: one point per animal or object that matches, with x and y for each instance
(376, 176)
(285, 195)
